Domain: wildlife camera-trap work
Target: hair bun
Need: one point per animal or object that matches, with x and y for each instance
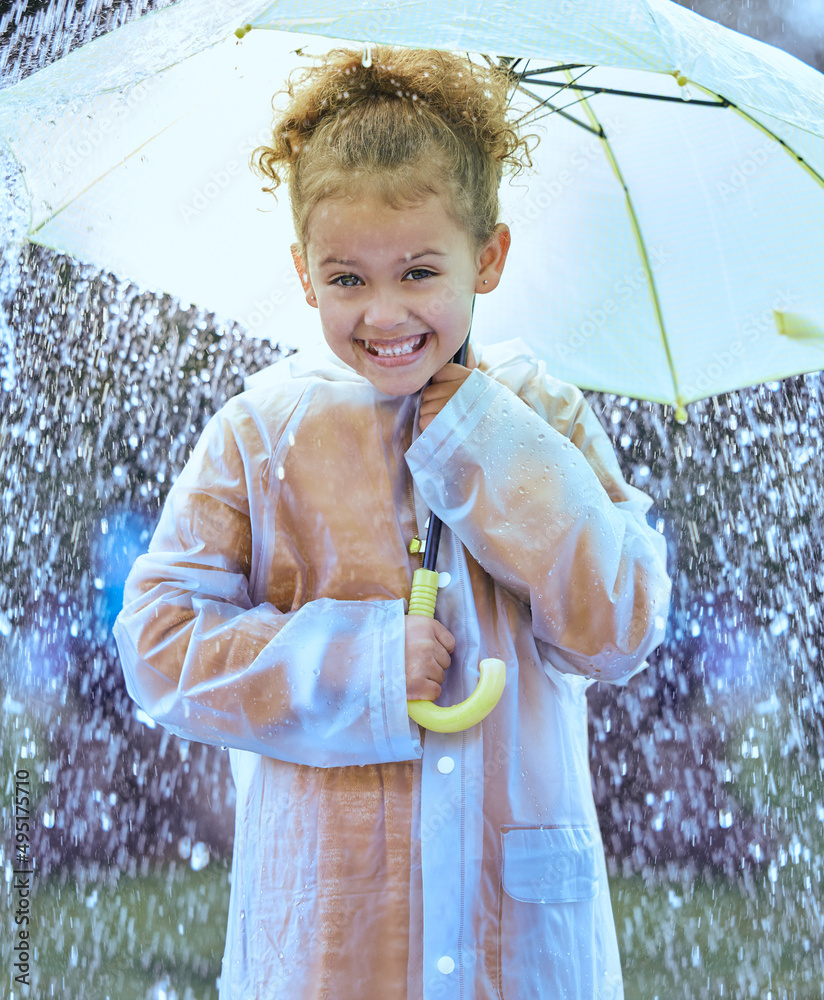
(382, 115)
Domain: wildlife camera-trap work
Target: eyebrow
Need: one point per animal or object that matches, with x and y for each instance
(403, 260)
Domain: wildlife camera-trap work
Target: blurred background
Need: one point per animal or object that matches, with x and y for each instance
(706, 768)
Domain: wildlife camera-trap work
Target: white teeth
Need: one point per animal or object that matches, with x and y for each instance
(395, 350)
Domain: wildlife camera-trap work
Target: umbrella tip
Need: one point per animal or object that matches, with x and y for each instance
(243, 30)
(681, 414)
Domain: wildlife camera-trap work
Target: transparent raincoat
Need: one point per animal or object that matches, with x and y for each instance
(371, 858)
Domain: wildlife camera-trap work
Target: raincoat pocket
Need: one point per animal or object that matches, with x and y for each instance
(547, 940)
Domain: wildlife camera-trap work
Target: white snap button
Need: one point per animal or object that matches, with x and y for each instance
(446, 765)
(445, 965)
(444, 579)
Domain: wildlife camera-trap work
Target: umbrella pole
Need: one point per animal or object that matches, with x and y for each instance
(433, 535)
(485, 697)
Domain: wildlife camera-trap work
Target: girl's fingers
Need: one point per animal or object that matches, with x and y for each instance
(435, 397)
(435, 674)
(441, 657)
(428, 414)
(443, 390)
(431, 692)
(444, 636)
(451, 373)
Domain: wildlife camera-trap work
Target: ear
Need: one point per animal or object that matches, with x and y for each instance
(492, 258)
(303, 274)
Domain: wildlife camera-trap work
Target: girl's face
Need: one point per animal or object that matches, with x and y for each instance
(394, 286)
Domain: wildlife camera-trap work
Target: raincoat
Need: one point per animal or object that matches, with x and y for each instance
(372, 859)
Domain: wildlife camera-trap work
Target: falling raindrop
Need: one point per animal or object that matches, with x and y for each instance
(200, 856)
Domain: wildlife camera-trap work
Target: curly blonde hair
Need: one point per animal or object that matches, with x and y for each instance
(411, 124)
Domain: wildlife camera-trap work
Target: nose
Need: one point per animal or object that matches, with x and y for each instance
(385, 310)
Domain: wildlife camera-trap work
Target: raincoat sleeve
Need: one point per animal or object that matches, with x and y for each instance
(530, 484)
(324, 685)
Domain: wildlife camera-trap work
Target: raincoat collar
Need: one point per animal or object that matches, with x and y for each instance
(316, 361)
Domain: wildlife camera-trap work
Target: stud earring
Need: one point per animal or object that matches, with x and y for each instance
(485, 281)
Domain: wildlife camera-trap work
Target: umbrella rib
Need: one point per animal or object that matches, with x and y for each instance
(560, 111)
(96, 180)
(722, 103)
(558, 69)
(757, 124)
(513, 62)
(505, 64)
(679, 408)
(555, 111)
(558, 91)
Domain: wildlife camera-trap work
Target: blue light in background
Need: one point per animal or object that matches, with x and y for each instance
(121, 536)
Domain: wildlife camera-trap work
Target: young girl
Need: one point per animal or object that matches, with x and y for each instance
(269, 613)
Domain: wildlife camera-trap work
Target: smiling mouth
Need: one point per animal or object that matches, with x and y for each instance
(395, 348)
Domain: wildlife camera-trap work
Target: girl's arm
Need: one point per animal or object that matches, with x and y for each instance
(531, 486)
(323, 685)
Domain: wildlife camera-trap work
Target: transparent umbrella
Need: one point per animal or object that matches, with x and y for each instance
(668, 246)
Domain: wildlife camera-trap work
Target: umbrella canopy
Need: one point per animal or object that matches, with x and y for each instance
(667, 247)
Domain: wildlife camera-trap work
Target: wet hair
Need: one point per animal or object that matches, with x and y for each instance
(410, 124)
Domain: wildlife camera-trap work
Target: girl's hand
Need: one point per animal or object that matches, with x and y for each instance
(445, 383)
(428, 648)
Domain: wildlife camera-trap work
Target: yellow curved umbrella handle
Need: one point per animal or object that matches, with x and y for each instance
(453, 718)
